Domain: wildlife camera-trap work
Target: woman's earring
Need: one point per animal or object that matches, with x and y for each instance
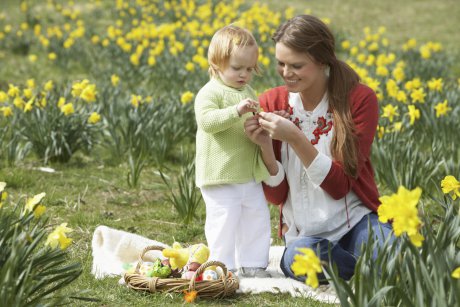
(327, 70)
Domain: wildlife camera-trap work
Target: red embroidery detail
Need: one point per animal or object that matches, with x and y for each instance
(323, 127)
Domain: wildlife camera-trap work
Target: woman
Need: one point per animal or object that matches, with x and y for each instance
(322, 123)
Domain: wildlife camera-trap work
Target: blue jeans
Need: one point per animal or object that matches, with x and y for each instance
(345, 253)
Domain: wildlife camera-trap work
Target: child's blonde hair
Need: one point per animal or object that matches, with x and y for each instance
(224, 43)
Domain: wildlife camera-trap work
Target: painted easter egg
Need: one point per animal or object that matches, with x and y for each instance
(210, 275)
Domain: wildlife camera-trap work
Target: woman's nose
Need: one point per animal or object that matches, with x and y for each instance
(286, 71)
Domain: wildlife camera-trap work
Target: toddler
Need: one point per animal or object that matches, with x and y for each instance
(229, 167)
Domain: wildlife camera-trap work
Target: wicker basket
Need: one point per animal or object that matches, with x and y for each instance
(225, 286)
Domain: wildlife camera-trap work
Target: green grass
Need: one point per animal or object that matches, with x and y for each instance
(86, 193)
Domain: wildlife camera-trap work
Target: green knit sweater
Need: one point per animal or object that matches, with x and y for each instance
(224, 154)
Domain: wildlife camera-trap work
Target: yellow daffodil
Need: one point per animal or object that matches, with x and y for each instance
(456, 273)
(151, 61)
(49, 85)
(3, 96)
(398, 74)
(397, 126)
(30, 83)
(42, 103)
(372, 83)
(115, 80)
(187, 97)
(61, 102)
(401, 96)
(136, 100)
(401, 208)
(392, 88)
(354, 51)
(67, 109)
(190, 66)
(442, 108)
(410, 44)
(28, 106)
(346, 44)
(33, 204)
(418, 95)
(59, 238)
(78, 87)
(19, 103)
(435, 84)
(95, 39)
(7, 111)
(33, 58)
(13, 91)
(134, 59)
(451, 185)
(413, 113)
(306, 263)
(425, 52)
(382, 71)
(413, 84)
(52, 56)
(27, 93)
(89, 93)
(390, 111)
(94, 118)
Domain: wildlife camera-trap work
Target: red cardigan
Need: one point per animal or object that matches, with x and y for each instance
(365, 114)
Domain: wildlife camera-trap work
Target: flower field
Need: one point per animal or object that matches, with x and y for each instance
(97, 128)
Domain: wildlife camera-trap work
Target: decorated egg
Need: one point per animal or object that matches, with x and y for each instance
(188, 275)
(146, 269)
(210, 275)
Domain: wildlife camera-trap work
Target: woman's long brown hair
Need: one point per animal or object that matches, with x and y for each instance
(306, 33)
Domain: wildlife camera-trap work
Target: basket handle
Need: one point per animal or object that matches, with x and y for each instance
(141, 256)
(201, 270)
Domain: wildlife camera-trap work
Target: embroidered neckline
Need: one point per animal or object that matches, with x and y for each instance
(323, 126)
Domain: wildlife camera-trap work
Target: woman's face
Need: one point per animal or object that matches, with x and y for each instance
(300, 72)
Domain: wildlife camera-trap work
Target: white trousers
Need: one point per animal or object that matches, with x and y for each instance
(237, 225)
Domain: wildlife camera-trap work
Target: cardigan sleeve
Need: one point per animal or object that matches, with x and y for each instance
(209, 116)
(275, 99)
(365, 115)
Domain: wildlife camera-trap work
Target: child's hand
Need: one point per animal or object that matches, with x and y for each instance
(247, 105)
(283, 113)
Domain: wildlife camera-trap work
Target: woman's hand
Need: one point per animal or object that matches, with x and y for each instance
(255, 133)
(278, 127)
(283, 113)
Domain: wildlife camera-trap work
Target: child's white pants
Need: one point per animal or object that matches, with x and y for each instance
(237, 224)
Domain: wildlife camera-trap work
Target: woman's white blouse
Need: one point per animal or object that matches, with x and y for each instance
(309, 211)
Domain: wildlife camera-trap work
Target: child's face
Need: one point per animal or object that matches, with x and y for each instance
(240, 67)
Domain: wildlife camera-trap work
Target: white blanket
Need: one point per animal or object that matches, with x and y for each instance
(112, 248)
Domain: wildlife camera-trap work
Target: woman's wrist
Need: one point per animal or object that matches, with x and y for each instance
(297, 138)
(303, 148)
